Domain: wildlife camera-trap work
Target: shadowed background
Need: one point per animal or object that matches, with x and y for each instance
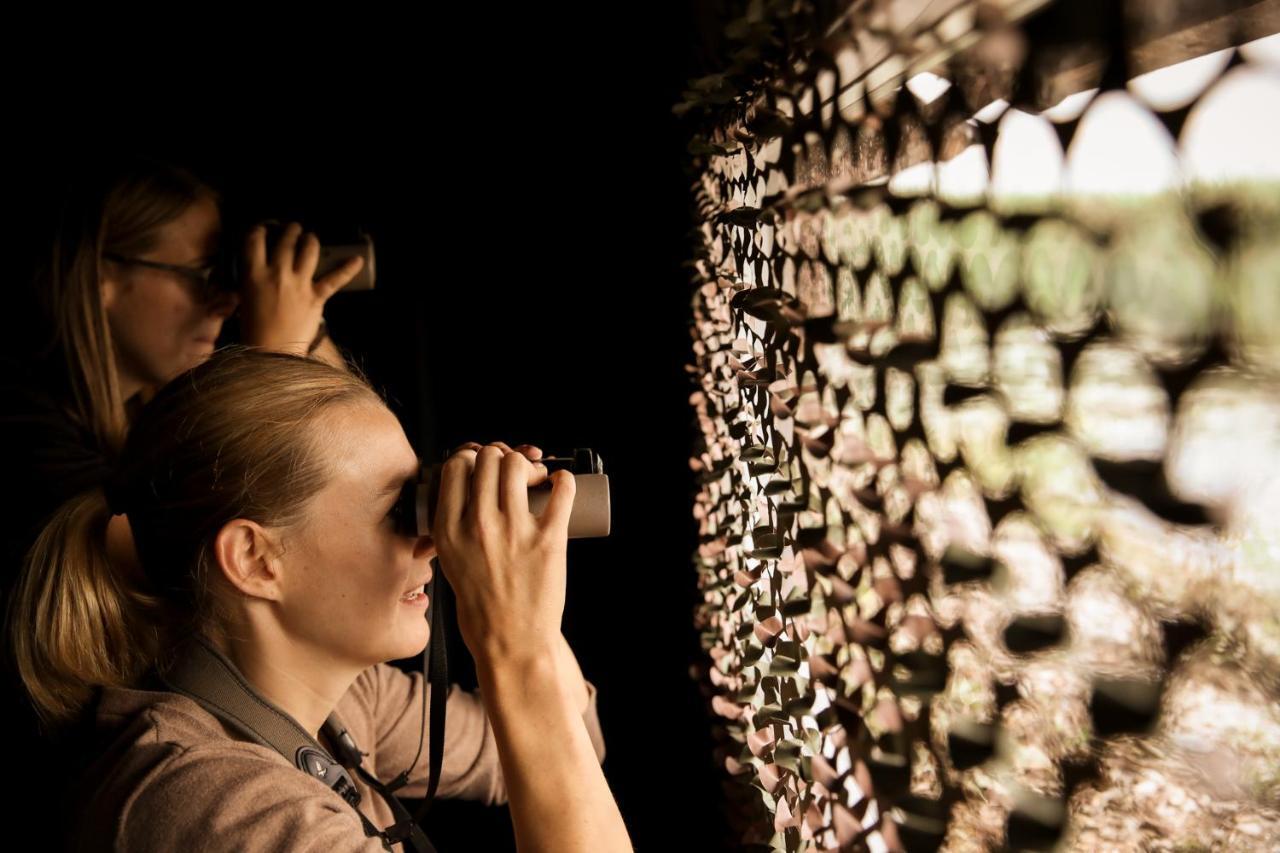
(529, 212)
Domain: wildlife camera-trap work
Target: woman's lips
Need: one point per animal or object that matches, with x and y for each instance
(421, 599)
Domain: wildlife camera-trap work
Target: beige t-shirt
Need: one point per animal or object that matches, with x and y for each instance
(172, 776)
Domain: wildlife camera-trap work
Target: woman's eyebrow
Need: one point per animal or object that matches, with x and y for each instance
(397, 482)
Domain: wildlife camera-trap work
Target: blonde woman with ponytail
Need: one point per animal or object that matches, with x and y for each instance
(130, 299)
(261, 488)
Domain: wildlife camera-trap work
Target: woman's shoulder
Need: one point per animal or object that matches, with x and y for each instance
(143, 734)
(147, 714)
(162, 715)
(168, 771)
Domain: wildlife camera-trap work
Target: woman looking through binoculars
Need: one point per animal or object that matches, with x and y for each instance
(261, 488)
(132, 303)
(130, 298)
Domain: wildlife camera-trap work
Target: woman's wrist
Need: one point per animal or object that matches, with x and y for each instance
(321, 334)
(570, 674)
(557, 793)
(506, 663)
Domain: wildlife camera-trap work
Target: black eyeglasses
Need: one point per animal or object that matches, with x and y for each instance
(208, 281)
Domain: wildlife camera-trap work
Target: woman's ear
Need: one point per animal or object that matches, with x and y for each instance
(248, 555)
(110, 283)
(107, 289)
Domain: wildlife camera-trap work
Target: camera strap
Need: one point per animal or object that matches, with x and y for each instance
(202, 673)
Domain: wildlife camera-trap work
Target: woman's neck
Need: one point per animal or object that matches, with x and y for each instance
(130, 386)
(134, 391)
(132, 406)
(135, 395)
(289, 675)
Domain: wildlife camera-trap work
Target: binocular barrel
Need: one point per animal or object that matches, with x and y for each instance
(589, 518)
(337, 246)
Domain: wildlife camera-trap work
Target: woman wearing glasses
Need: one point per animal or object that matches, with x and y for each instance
(130, 302)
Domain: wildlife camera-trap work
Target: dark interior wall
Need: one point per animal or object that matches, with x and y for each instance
(522, 181)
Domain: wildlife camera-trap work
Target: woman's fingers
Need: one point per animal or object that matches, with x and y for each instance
(477, 489)
(483, 504)
(506, 568)
(334, 281)
(560, 504)
(308, 257)
(284, 306)
(283, 257)
(298, 254)
(455, 483)
(533, 454)
(517, 475)
(255, 247)
(539, 472)
(536, 475)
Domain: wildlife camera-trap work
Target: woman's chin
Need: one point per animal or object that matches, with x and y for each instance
(194, 357)
(415, 646)
(420, 647)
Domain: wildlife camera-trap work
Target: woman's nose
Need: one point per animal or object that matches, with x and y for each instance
(424, 548)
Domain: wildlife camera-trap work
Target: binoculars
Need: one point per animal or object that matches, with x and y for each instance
(415, 508)
(337, 246)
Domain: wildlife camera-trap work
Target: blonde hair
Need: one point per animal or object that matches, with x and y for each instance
(236, 437)
(117, 209)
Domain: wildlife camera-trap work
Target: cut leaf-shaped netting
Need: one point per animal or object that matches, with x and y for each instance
(986, 340)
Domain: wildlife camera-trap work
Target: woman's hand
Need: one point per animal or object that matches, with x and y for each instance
(506, 565)
(532, 453)
(281, 305)
(507, 568)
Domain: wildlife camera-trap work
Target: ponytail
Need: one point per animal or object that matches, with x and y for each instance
(75, 622)
(238, 436)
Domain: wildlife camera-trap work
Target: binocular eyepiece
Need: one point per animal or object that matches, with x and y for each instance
(415, 509)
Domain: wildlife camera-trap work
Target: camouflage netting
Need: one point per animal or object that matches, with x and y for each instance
(987, 334)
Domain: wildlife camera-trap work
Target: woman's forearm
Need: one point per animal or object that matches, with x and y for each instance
(571, 678)
(559, 798)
